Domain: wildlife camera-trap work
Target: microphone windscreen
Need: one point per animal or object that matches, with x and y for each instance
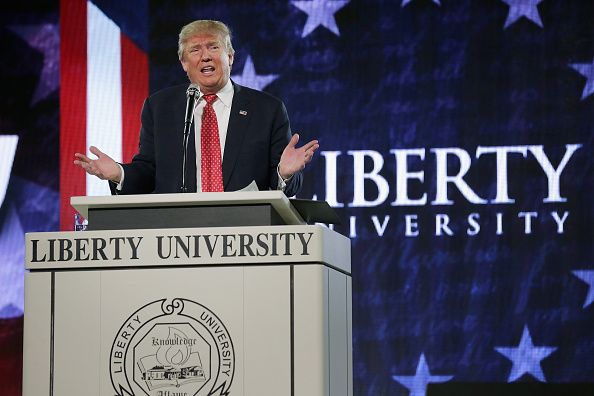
(192, 90)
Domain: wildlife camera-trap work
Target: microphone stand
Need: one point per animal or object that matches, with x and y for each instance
(192, 93)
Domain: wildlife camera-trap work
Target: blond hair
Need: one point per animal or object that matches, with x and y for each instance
(204, 26)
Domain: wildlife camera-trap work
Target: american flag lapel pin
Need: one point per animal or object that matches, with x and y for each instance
(243, 112)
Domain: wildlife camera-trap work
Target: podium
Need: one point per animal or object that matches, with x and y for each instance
(188, 294)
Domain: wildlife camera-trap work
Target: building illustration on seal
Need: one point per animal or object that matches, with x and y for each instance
(170, 373)
(175, 359)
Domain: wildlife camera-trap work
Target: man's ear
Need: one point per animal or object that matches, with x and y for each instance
(184, 65)
(231, 57)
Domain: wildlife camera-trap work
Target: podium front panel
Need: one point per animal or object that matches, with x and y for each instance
(165, 328)
(98, 310)
(37, 334)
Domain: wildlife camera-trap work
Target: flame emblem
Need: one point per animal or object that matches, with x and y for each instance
(176, 350)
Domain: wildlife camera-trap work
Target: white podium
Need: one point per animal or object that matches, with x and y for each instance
(250, 310)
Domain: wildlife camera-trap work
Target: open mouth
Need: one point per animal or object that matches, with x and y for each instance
(208, 70)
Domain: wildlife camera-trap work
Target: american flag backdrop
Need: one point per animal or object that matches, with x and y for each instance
(457, 142)
(104, 80)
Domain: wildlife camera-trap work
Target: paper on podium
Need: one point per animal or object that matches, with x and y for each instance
(250, 187)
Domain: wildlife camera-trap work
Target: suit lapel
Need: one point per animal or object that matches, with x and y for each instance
(236, 131)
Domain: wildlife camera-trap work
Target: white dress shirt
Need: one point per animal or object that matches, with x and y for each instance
(222, 108)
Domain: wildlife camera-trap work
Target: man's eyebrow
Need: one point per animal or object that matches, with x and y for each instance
(209, 43)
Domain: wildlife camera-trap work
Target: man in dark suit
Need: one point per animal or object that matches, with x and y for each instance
(247, 130)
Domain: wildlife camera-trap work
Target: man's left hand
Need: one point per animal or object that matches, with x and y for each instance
(294, 159)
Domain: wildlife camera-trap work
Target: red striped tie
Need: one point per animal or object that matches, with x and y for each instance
(211, 165)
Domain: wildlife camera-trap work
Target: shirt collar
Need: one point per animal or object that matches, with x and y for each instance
(225, 95)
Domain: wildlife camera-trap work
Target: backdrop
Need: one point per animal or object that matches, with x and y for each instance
(456, 145)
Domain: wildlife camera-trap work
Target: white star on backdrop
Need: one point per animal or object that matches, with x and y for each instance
(588, 277)
(417, 384)
(12, 265)
(320, 12)
(405, 2)
(44, 38)
(249, 78)
(586, 70)
(8, 146)
(526, 357)
(522, 8)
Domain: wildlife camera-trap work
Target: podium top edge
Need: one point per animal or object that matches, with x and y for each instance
(277, 199)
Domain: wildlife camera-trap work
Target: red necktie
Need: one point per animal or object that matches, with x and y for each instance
(210, 162)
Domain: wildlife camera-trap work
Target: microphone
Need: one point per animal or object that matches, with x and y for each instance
(192, 93)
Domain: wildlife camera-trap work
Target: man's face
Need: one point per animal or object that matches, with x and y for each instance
(207, 62)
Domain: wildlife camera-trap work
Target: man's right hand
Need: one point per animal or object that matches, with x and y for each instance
(104, 167)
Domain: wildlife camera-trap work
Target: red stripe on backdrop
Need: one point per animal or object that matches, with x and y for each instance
(11, 356)
(134, 91)
(73, 103)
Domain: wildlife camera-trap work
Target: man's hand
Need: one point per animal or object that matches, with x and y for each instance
(104, 167)
(294, 159)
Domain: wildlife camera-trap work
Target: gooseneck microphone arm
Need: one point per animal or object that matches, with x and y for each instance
(192, 94)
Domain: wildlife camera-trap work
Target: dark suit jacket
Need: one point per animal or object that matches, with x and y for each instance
(258, 132)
